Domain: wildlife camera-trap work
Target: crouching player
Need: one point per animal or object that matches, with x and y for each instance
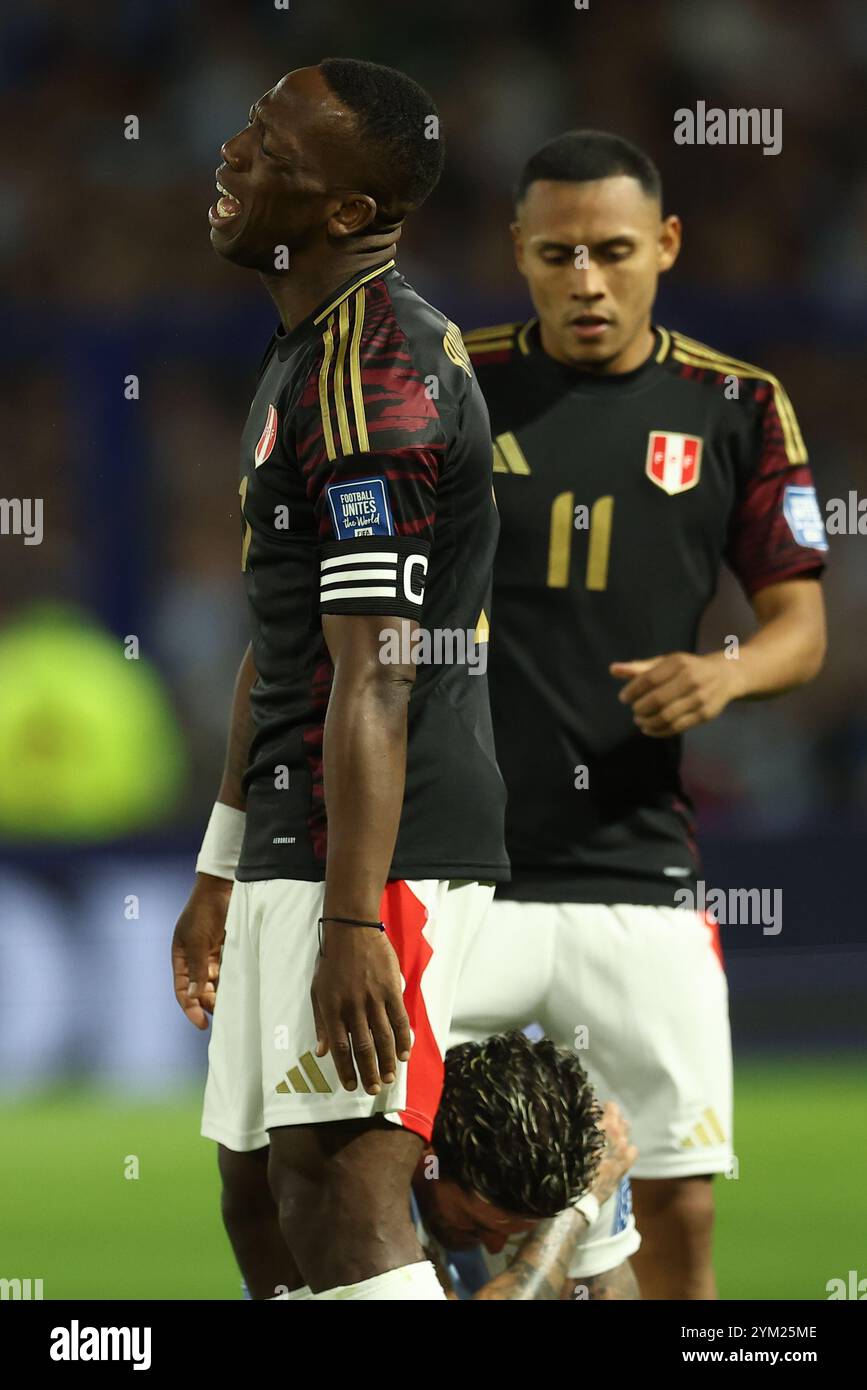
(521, 1193)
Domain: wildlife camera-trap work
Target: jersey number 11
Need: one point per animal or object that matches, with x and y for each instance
(563, 523)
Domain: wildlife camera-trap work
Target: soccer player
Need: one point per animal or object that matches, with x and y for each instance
(366, 793)
(515, 1145)
(630, 464)
(506, 1194)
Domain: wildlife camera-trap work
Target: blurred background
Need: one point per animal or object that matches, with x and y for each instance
(129, 357)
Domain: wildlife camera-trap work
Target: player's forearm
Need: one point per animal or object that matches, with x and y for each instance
(240, 737)
(541, 1266)
(364, 761)
(785, 652)
(618, 1285)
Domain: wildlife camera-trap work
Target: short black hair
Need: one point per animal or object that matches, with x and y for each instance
(406, 148)
(518, 1123)
(581, 155)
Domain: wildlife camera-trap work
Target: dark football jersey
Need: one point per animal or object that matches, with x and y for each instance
(366, 488)
(620, 497)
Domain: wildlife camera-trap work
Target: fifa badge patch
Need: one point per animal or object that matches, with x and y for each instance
(673, 460)
(267, 438)
(360, 507)
(801, 510)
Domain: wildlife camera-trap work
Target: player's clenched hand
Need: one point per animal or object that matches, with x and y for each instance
(618, 1155)
(196, 946)
(670, 694)
(358, 1006)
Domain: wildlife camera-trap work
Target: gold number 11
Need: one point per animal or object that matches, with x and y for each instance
(560, 541)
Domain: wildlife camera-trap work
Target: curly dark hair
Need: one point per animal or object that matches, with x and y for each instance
(393, 115)
(518, 1123)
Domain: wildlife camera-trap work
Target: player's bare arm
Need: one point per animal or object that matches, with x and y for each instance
(356, 992)
(670, 694)
(231, 791)
(541, 1265)
(201, 927)
(618, 1285)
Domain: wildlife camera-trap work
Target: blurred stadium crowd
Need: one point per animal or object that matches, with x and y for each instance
(108, 274)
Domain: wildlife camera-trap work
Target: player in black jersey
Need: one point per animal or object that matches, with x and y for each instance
(630, 464)
(361, 803)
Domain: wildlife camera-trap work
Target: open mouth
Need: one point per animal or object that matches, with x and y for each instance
(589, 325)
(226, 207)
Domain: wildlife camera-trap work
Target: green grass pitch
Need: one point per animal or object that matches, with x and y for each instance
(793, 1219)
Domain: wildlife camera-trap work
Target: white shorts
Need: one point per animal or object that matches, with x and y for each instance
(262, 1068)
(641, 992)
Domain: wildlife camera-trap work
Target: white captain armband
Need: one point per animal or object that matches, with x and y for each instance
(373, 574)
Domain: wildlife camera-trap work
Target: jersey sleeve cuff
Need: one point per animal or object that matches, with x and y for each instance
(373, 574)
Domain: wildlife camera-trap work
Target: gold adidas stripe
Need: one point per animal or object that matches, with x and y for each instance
(511, 454)
(314, 1074)
(522, 336)
(664, 345)
(696, 354)
(500, 330)
(346, 293)
(496, 345)
(715, 1126)
(337, 385)
(324, 408)
(355, 375)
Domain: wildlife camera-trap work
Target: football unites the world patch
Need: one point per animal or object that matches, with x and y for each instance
(360, 507)
(673, 460)
(801, 510)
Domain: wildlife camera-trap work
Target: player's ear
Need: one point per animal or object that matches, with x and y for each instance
(670, 235)
(518, 246)
(350, 217)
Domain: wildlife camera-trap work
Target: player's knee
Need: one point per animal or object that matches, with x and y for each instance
(336, 1194)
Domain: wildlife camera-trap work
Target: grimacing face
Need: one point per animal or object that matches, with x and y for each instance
(598, 318)
(460, 1220)
(288, 177)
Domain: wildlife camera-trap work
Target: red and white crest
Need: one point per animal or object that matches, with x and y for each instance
(267, 438)
(673, 460)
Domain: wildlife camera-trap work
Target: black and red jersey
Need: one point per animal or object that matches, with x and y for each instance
(620, 497)
(366, 488)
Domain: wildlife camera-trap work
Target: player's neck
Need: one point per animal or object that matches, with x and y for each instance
(633, 356)
(298, 291)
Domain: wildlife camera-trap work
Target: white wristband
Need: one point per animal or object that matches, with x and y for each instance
(588, 1205)
(221, 847)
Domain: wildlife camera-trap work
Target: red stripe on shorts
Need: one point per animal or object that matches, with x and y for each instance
(713, 927)
(404, 917)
